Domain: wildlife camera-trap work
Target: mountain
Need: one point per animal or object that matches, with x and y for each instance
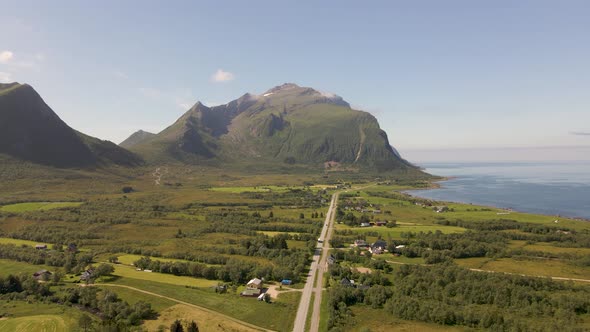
(31, 131)
(287, 124)
(136, 138)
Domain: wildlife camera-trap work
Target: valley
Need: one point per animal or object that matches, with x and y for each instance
(283, 211)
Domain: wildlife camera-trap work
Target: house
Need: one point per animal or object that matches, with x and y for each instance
(376, 211)
(86, 275)
(360, 243)
(439, 209)
(286, 282)
(346, 282)
(41, 246)
(378, 247)
(381, 223)
(365, 224)
(42, 275)
(331, 259)
(72, 247)
(253, 288)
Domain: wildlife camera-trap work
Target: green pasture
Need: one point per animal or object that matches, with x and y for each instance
(24, 317)
(131, 273)
(277, 316)
(24, 207)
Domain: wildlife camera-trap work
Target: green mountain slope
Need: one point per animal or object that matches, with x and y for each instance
(31, 131)
(287, 124)
(136, 138)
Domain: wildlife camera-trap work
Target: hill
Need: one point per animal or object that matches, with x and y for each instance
(31, 131)
(287, 125)
(136, 138)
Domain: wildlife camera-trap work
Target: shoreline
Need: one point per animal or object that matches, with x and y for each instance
(436, 184)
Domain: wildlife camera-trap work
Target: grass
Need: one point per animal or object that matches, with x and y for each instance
(324, 313)
(24, 317)
(366, 318)
(128, 259)
(130, 272)
(309, 312)
(24, 207)
(276, 316)
(395, 232)
(11, 267)
(19, 242)
(206, 321)
(539, 267)
(133, 296)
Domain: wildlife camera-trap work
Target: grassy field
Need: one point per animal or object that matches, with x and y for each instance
(128, 259)
(130, 272)
(23, 317)
(24, 207)
(206, 321)
(11, 267)
(277, 316)
(395, 232)
(539, 267)
(19, 242)
(377, 320)
(133, 296)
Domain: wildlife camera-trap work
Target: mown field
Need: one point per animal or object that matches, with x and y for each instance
(23, 317)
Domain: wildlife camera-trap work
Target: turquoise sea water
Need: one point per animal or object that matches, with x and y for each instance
(553, 188)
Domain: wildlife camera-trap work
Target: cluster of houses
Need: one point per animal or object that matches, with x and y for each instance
(377, 223)
(377, 248)
(362, 206)
(435, 208)
(71, 247)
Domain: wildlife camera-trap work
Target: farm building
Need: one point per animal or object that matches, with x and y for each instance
(41, 246)
(254, 283)
(378, 247)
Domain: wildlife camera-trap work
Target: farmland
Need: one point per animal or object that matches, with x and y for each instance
(173, 246)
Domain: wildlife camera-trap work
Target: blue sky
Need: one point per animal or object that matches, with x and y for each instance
(437, 74)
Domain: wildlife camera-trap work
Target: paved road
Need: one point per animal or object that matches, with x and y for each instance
(317, 268)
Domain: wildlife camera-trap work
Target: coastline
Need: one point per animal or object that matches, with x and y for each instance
(436, 184)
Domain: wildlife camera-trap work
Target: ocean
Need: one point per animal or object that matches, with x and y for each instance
(551, 188)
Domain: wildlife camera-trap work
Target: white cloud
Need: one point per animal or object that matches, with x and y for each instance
(5, 77)
(6, 56)
(222, 76)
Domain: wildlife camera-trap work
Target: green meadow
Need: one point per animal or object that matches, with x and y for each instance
(36, 206)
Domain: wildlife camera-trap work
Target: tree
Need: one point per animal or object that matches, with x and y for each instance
(176, 326)
(103, 270)
(85, 322)
(301, 216)
(271, 215)
(192, 327)
(266, 298)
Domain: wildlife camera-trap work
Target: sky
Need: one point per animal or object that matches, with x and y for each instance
(438, 75)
